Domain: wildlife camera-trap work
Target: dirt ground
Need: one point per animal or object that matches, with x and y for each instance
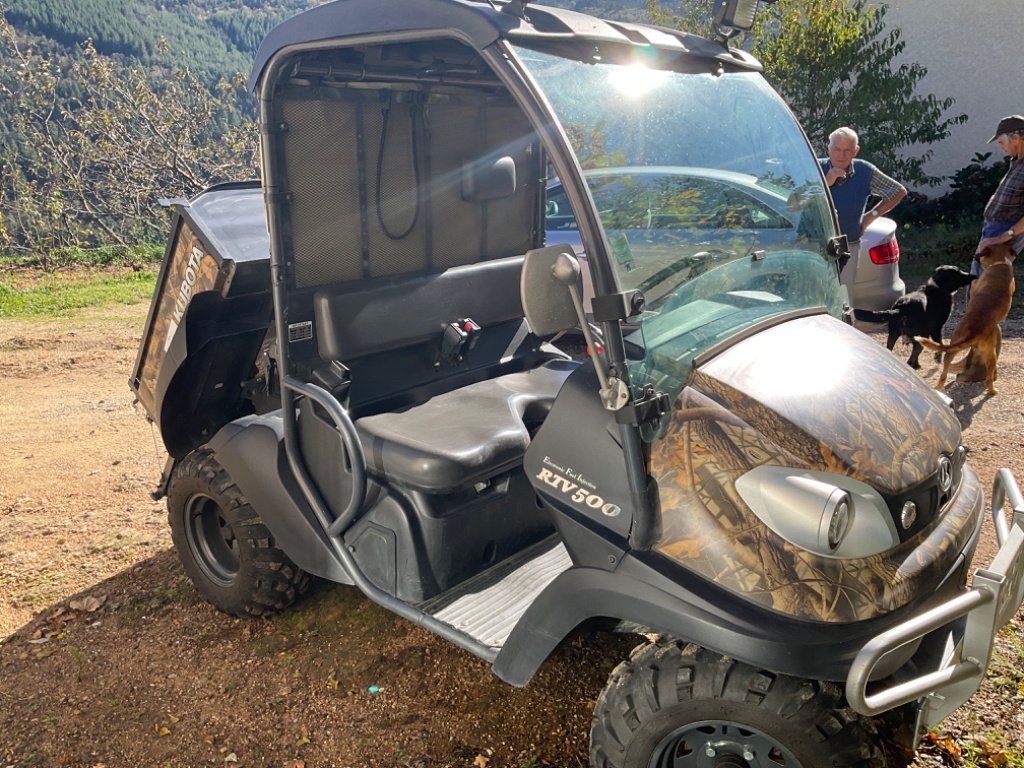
(108, 657)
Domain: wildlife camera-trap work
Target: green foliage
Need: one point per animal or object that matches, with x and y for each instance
(215, 40)
(994, 750)
(970, 189)
(926, 246)
(945, 230)
(88, 142)
(244, 30)
(620, 10)
(59, 293)
(693, 16)
(835, 63)
(135, 256)
(92, 169)
(591, 148)
(106, 105)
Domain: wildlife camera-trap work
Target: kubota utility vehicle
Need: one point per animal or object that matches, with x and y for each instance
(351, 369)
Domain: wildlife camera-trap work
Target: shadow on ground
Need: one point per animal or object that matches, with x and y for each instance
(143, 672)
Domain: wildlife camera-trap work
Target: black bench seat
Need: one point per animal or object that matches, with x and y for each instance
(463, 436)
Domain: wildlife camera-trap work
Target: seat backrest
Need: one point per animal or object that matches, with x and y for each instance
(354, 320)
(389, 333)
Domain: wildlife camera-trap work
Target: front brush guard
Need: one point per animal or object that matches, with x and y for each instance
(995, 596)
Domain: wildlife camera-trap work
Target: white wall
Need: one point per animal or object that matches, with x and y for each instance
(973, 51)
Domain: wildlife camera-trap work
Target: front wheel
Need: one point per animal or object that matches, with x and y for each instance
(226, 550)
(673, 705)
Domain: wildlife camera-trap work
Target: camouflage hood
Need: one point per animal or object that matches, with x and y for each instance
(815, 395)
(836, 400)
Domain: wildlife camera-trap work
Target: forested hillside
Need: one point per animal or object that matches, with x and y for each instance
(215, 38)
(108, 105)
(212, 37)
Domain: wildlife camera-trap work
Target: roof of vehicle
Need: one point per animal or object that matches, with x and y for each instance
(735, 178)
(481, 23)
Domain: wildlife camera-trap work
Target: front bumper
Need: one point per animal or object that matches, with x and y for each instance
(969, 621)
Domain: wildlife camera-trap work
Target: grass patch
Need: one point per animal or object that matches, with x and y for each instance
(57, 293)
(992, 750)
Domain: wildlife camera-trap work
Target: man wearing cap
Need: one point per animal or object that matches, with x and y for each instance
(1004, 213)
(851, 183)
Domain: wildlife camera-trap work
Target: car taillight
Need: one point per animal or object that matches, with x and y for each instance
(886, 253)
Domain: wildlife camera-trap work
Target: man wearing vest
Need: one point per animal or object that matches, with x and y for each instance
(851, 183)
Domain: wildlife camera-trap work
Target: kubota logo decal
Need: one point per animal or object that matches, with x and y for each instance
(188, 283)
(576, 487)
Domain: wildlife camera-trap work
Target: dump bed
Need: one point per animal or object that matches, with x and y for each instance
(210, 314)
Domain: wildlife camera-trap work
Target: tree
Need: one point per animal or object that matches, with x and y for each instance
(90, 170)
(835, 63)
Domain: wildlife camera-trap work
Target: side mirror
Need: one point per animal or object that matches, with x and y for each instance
(735, 14)
(545, 289)
(488, 179)
(552, 301)
(730, 17)
(837, 247)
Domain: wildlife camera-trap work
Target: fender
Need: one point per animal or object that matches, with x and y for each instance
(696, 611)
(251, 449)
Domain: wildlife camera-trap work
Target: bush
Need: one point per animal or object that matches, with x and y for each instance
(926, 246)
(962, 206)
(945, 230)
(91, 169)
(137, 257)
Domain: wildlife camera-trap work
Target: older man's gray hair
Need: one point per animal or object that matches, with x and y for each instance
(844, 133)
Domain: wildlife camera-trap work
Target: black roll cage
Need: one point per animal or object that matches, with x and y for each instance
(502, 60)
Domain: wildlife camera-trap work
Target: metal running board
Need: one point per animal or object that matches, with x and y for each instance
(488, 606)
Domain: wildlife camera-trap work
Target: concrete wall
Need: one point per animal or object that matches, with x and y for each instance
(973, 51)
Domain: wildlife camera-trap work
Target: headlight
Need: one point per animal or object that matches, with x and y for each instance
(838, 520)
(830, 515)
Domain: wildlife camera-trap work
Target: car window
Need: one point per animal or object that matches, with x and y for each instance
(670, 201)
(557, 214)
(711, 201)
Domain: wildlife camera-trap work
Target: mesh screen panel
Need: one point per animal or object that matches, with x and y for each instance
(321, 174)
(456, 225)
(398, 194)
(509, 220)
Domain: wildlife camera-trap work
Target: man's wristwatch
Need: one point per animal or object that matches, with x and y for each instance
(1010, 231)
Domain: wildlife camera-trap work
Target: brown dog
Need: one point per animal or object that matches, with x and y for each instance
(987, 306)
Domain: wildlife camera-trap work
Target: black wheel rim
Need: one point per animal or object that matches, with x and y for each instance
(212, 540)
(721, 744)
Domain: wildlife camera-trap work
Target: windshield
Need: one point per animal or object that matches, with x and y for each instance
(708, 193)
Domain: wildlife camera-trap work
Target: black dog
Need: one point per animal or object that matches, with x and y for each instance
(922, 312)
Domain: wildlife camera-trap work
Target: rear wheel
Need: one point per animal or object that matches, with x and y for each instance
(224, 547)
(680, 706)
